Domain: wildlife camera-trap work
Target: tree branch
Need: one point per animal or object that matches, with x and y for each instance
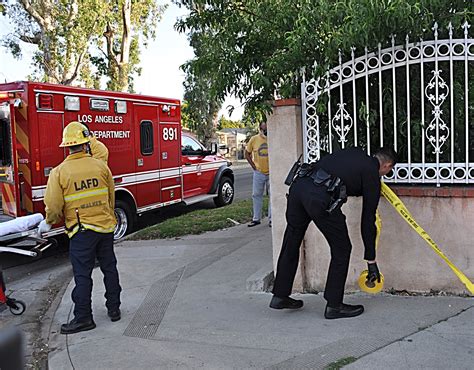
(32, 11)
(31, 40)
(69, 80)
(73, 13)
(52, 72)
(126, 39)
(109, 36)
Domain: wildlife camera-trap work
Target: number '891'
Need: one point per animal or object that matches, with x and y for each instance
(170, 133)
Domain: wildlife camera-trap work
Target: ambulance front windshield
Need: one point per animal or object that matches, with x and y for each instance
(5, 136)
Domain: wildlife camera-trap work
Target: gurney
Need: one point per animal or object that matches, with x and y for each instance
(22, 230)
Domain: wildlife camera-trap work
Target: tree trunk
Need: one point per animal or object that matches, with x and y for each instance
(49, 60)
(123, 67)
(111, 58)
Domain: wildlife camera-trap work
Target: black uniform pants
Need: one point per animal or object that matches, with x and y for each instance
(308, 202)
(84, 248)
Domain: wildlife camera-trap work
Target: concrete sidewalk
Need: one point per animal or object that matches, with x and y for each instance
(186, 305)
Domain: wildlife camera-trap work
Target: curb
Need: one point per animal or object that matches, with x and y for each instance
(48, 317)
(262, 280)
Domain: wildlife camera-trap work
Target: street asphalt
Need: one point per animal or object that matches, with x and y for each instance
(197, 302)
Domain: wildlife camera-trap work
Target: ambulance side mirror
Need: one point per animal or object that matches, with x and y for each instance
(212, 151)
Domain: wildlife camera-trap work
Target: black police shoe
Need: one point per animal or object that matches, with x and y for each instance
(343, 310)
(279, 303)
(76, 326)
(114, 315)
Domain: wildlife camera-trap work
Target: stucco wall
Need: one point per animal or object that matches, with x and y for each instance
(406, 260)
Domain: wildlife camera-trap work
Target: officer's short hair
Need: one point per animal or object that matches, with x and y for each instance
(386, 154)
(76, 148)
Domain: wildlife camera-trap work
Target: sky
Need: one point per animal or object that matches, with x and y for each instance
(160, 62)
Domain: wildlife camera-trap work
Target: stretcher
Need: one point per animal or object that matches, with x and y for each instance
(8, 243)
(27, 243)
(17, 236)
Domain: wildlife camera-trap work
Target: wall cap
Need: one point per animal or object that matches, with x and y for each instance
(286, 102)
(436, 192)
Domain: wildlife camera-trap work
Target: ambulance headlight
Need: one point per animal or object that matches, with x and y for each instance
(72, 103)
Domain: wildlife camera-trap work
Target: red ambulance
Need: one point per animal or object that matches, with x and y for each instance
(154, 165)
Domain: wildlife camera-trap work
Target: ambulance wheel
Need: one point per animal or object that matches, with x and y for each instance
(124, 216)
(225, 192)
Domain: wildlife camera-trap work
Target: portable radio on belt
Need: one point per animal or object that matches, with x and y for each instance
(78, 220)
(293, 171)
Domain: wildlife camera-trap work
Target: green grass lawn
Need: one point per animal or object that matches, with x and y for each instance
(200, 221)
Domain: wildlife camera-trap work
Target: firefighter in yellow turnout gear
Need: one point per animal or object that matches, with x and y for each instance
(81, 191)
(97, 149)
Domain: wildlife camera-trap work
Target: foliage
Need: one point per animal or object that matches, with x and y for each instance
(253, 56)
(185, 120)
(202, 106)
(69, 36)
(228, 123)
(62, 32)
(200, 221)
(127, 24)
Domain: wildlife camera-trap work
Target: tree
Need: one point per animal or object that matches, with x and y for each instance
(255, 56)
(69, 35)
(202, 102)
(125, 22)
(62, 31)
(228, 123)
(201, 108)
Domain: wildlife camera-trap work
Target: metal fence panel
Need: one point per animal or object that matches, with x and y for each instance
(414, 97)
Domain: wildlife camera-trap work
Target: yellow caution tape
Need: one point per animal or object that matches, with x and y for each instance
(402, 210)
(378, 224)
(367, 286)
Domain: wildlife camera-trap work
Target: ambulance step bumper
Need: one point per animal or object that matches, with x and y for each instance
(198, 198)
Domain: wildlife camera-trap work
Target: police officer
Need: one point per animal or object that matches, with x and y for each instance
(81, 191)
(316, 195)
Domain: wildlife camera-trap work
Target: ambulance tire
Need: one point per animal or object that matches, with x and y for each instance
(124, 215)
(225, 192)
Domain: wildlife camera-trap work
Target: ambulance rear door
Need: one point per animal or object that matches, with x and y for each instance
(8, 161)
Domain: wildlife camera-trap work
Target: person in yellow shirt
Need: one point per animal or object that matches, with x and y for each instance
(256, 154)
(80, 191)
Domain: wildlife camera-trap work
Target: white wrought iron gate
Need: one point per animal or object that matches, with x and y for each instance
(416, 97)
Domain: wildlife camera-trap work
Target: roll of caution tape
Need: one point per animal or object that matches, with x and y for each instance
(402, 210)
(367, 286)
